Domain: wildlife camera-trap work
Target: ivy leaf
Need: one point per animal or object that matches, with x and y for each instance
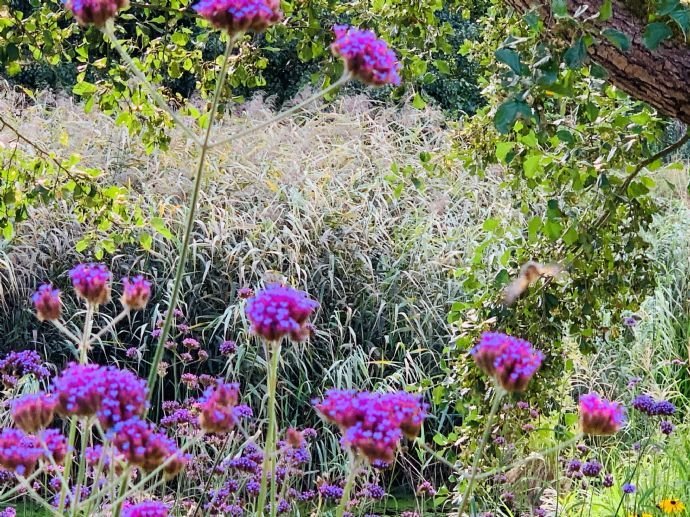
(510, 58)
(508, 112)
(617, 38)
(575, 56)
(655, 33)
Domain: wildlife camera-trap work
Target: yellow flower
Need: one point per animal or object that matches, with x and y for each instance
(671, 506)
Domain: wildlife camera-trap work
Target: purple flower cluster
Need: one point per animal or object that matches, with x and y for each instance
(426, 489)
(227, 347)
(373, 423)
(666, 427)
(146, 509)
(47, 303)
(333, 492)
(240, 15)
(652, 407)
(142, 446)
(592, 468)
(509, 360)
(33, 412)
(280, 311)
(19, 452)
(16, 365)
(136, 292)
(366, 57)
(113, 395)
(599, 416)
(91, 281)
(629, 488)
(218, 408)
(8, 512)
(95, 12)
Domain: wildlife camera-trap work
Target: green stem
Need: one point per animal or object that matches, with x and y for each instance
(86, 335)
(68, 463)
(81, 473)
(117, 319)
(500, 392)
(632, 474)
(283, 115)
(273, 356)
(124, 481)
(219, 456)
(109, 31)
(351, 475)
(189, 224)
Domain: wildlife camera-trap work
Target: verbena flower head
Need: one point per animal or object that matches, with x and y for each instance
(509, 360)
(629, 488)
(91, 282)
(366, 57)
(663, 408)
(592, 468)
(19, 364)
(648, 405)
(47, 303)
(136, 292)
(608, 481)
(666, 427)
(218, 408)
(113, 395)
(599, 416)
(33, 412)
(55, 443)
(240, 15)
(8, 512)
(227, 347)
(245, 292)
(19, 452)
(280, 311)
(146, 509)
(373, 423)
(95, 12)
(142, 446)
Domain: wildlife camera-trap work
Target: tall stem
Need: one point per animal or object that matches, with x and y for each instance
(632, 474)
(351, 475)
(498, 395)
(86, 335)
(117, 319)
(189, 224)
(273, 356)
(68, 463)
(81, 473)
(124, 480)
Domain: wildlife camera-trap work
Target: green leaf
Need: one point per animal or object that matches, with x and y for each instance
(508, 112)
(606, 10)
(575, 56)
(502, 150)
(490, 225)
(159, 225)
(570, 237)
(617, 38)
(418, 102)
(84, 88)
(510, 58)
(655, 33)
(146, 241)
(533, 228)
(559, 8)
(532, 165)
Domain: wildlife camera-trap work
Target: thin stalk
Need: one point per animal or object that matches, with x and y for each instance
(25, 484)
(86, 336)
(58, 325)
(632, 474)
(273, 355)
(121, 494)
(109, 31)
(81, 472)
(219, 455)
(117, 319)
(189, 224)
(5, 496)
(351, 475)
(283, 115)
(498, 396)
(68, 462)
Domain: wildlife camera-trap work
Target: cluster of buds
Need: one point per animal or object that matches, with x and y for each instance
(279, 311)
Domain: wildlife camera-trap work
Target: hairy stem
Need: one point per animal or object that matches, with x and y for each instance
(273, 356)
(117, 319)
(351, 475)
(189, 224)
(498, 396)
(68, 462)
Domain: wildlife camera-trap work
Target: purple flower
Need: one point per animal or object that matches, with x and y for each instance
(190, 380)
(425, 488)
(591, 468)
(18, 364)
(132, 352)
(217, 408)
(240, 15)
(47, 303)
(629, 488)
(574, 465)
(331, 491)
(643, 403)
(19, 452)
(634, 382)
(280, 311)
(307, 495)
(599, 416)
(92, 281)
(142, 446)
(136, 293)
(228, 347)
(253, 487)
(373, 491)
(508, 498)
(245, 292)
(663, 408)
(522, 405)
(55, 444)
(366, 57)
(33, 412)
(8, 512)
(608, 481)
(146, 509)
(666, 427)
(509, 360)
(190, 343)
(95, 12)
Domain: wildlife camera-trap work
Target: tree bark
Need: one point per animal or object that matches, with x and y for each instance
(661, 77)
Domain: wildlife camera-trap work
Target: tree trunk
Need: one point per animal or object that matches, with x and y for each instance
(661, 77)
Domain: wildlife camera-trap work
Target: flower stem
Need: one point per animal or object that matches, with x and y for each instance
(124, 481)
(632, 474)
(351, 475)
(189, 224)
(117, 319)
(273, 356)
(498, 395)
(86, 335)
(283, 115)
(68, 463)
(81, 473)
